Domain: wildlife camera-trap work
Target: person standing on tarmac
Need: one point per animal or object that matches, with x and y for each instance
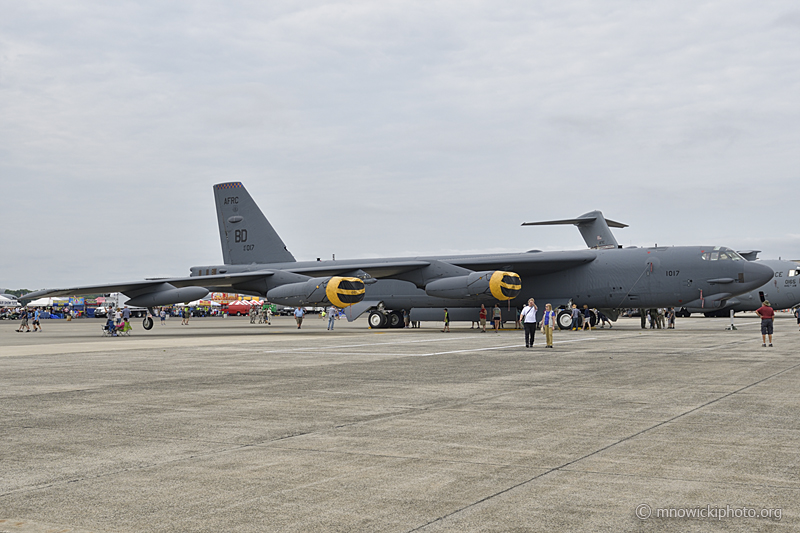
(482, 317)
(496, 317)
(299, 313)
(446, 321)
(528, 317)
(661, 322)
(548, 321)
(576, 317)
(332, 312)
(37, 315)
(587, 318)
(24, 320)
(767, 315)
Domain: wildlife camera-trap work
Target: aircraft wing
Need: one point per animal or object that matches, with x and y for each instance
(375, 268)
(527, 264)
(222, 280)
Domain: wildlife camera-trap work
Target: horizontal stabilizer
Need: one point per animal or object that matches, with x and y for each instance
(594, 227)
(575, 221)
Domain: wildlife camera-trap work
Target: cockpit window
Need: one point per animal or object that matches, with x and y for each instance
(721, 254)
(793, 273)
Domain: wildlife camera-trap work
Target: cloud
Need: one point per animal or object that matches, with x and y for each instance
(366, 128)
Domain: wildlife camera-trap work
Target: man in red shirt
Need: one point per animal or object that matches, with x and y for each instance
(767, 315)
(482, 317)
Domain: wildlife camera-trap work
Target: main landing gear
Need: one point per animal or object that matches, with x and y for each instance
(564, 319)
(386, 319)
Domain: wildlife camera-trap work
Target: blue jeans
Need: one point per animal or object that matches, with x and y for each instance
(331, 318)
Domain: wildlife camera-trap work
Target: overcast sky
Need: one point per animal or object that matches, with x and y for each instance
(390, 128)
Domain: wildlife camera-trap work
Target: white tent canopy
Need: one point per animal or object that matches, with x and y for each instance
(47, 302)
(203, 302)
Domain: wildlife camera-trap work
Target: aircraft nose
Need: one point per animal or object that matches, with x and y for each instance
(756, 274)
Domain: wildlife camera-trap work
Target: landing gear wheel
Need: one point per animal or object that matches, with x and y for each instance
(396, 320)
(377, 320)
(564, 319)
(147, 323)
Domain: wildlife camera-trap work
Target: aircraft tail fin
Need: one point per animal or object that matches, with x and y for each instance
(246, 234)
(594, 227)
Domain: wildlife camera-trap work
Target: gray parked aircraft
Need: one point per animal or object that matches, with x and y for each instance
(608, 277)
(782, 291)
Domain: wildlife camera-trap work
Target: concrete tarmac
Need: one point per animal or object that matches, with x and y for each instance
(226, 426)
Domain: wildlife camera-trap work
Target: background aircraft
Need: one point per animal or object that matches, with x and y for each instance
(8, 300)
(782, 291)
(257, 262)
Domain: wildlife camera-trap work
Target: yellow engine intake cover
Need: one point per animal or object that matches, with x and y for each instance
(343, 292)
(505, 285)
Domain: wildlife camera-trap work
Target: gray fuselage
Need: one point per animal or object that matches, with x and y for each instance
(604, 278)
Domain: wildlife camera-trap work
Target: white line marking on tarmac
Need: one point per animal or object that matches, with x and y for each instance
(450, 339)
(467, 350)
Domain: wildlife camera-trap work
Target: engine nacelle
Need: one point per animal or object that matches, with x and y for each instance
(501, 285)
(336, 290)
(166, 294)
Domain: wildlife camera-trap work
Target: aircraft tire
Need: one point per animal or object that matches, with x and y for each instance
(377, 320)
(396, 320)
(147, 323)
(564, 319)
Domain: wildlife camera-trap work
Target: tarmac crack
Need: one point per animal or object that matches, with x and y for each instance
(564, 466)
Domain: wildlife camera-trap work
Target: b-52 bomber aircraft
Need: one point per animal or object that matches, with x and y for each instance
(782, 291)
(606, 276)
